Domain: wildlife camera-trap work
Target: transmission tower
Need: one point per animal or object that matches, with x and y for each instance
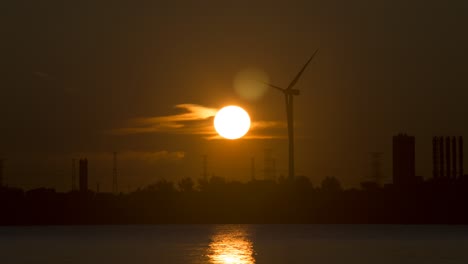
(269, 165)
(205, 167)
(252, 169)
(114, 175)
(73, 185)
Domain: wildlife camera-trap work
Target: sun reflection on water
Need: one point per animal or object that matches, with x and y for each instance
(231, 245)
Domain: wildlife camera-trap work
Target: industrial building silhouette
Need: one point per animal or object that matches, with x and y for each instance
(441, 199)
(1, 172)
(447, 159)
(404, 173)
(444, 164)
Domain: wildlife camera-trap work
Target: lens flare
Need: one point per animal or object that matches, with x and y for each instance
(250, 83)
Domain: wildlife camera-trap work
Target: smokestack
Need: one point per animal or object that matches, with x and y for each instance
(447, 155)
(454, 159)
(73, 186)
(460, 156)
(441, 156)
(435, 157)
(83, 171)
(1, 173)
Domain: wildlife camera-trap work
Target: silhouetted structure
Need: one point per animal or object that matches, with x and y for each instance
(448, 159)
(274, 170)
(454, 157)
(218, 200)
(289, 94)
(269, 166)
(252, 168)
(448, 173)
(441, 157)
(73, 179)
(403, 160)
(435, 157)
(115, 187)
(375, 163)
(410, 200)
(1, 172)
(205, 167)
(83, 171)
(460, 156)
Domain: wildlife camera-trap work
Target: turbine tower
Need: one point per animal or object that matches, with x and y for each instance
(115, 188)
(73, 186)
(289, 93)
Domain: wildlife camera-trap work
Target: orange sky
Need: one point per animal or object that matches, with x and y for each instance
(90, 78)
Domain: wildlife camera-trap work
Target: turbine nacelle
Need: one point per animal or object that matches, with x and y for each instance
(289, 92)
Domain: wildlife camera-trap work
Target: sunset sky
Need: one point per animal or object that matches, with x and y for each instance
(86, 78)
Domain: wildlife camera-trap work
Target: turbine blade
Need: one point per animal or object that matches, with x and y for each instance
(276, 87)
(273, 86)
(301, 71)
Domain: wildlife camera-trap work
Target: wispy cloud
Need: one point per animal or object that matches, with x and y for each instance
(196, 120)
(152, 156)
(146, 156)
(193, 112)
(257, 125)
(182, 123)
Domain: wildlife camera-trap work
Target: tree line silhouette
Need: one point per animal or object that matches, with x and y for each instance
(216, 200)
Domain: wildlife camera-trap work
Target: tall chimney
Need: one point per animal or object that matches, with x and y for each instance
(83, 173)
(460, 156)
(435, 157)
(1, 173)
(454, 159)
(441, 156)
(447, 155)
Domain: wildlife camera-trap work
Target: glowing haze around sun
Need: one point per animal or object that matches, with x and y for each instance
(232, 122)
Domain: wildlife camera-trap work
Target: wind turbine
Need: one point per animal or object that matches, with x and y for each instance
(289, 93)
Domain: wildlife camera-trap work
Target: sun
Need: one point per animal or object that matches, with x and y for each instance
(232, 122)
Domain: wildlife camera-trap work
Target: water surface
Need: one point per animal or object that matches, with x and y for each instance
(243, 244)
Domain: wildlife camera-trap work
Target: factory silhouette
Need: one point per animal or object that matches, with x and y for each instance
(445, 154)
(409, 199)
